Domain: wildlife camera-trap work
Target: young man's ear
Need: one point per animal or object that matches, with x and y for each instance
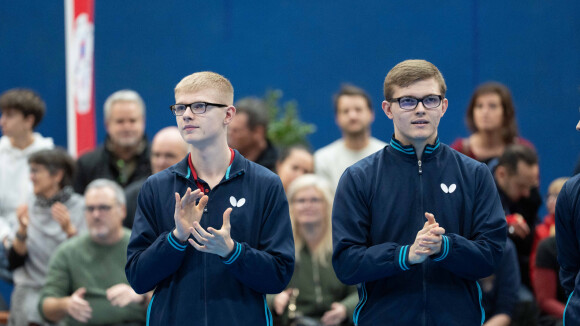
(230, 114)
(444, 105)
(387, 108)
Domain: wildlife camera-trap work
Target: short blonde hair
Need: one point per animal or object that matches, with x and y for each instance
(410, 71)
(205, 80)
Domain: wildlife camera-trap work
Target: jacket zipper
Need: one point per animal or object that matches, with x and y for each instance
(423, 266)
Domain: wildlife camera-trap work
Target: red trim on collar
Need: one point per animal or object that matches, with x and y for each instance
(194, 173)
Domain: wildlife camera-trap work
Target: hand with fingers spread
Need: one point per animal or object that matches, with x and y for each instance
(427, 242)
(187, 212)
(61, 215)
(78, 308)
(213, 241)
(120, 295)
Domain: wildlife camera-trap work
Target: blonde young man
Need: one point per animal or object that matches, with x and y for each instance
(417, 224)
(212, 234)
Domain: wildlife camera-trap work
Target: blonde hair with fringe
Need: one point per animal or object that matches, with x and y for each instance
(206, 80)
(324, 248)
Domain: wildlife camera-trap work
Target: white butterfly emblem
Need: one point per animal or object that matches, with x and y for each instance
(237, 203)
(449, 190)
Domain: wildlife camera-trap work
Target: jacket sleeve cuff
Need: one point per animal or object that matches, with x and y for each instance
(233, 256)
(176, 243)
(444, 249)
(402, 258)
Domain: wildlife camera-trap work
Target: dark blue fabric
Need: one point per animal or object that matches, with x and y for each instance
(380, 206)
(194, 288)
(501, 298)
(568, 243)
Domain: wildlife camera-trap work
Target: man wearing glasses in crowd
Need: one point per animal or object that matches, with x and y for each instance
(417, 224)
(212, 234)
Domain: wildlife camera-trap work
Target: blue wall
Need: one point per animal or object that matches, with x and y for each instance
(307, 49)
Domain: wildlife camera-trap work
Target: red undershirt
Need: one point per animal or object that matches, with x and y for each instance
(194, 174)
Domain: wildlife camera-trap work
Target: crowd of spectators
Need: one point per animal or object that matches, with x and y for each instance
(62, 255)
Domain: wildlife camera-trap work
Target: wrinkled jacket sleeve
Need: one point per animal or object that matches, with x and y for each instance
(476, 257)
(268, 268)
(151, 256)
(567, 240)
(354, 259)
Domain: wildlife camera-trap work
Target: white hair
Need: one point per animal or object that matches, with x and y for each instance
(106, 183)
(123, 95)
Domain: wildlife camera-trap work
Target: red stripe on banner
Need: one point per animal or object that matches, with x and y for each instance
(84, 76)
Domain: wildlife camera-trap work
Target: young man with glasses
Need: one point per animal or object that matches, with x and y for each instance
(568, 244)
(417, 224)
(212, 234)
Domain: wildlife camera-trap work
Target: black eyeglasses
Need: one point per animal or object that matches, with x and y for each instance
(409, 103)
(100, 208)
(197, 107)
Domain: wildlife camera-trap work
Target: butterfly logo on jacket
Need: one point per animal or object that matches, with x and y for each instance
(237, 203)
(448, 190)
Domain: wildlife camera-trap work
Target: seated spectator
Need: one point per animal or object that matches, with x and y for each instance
(353, 114)
(549, 293)
(516, 175)
(293, 162)
(124, 157)
(491, 118)
(86, 281)
(248, 132)
(500, 290)
(21, 110)
(547, 227)
(54, 214)
(167, 148)
(314, 292)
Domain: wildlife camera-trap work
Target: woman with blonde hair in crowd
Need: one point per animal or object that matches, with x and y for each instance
(314, 296)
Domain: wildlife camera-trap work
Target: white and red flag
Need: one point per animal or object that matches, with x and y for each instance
(80, 89)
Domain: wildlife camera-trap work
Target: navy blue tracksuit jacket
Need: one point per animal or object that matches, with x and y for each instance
(380, 206)
(195, 288)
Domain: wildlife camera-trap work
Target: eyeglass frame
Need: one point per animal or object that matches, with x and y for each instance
(419, 100)
(99, 208)
(205, 105)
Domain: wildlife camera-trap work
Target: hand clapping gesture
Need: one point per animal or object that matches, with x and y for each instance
(427, 242)
(23, 218)
(187, 212)
(214, 241)
(61, 215)
(79, 308)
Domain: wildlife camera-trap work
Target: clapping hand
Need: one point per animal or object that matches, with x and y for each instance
(427, 241)
(187, 212)
(213, 241)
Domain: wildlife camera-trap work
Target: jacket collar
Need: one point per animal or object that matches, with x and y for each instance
(237, 167)
(408, 150)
